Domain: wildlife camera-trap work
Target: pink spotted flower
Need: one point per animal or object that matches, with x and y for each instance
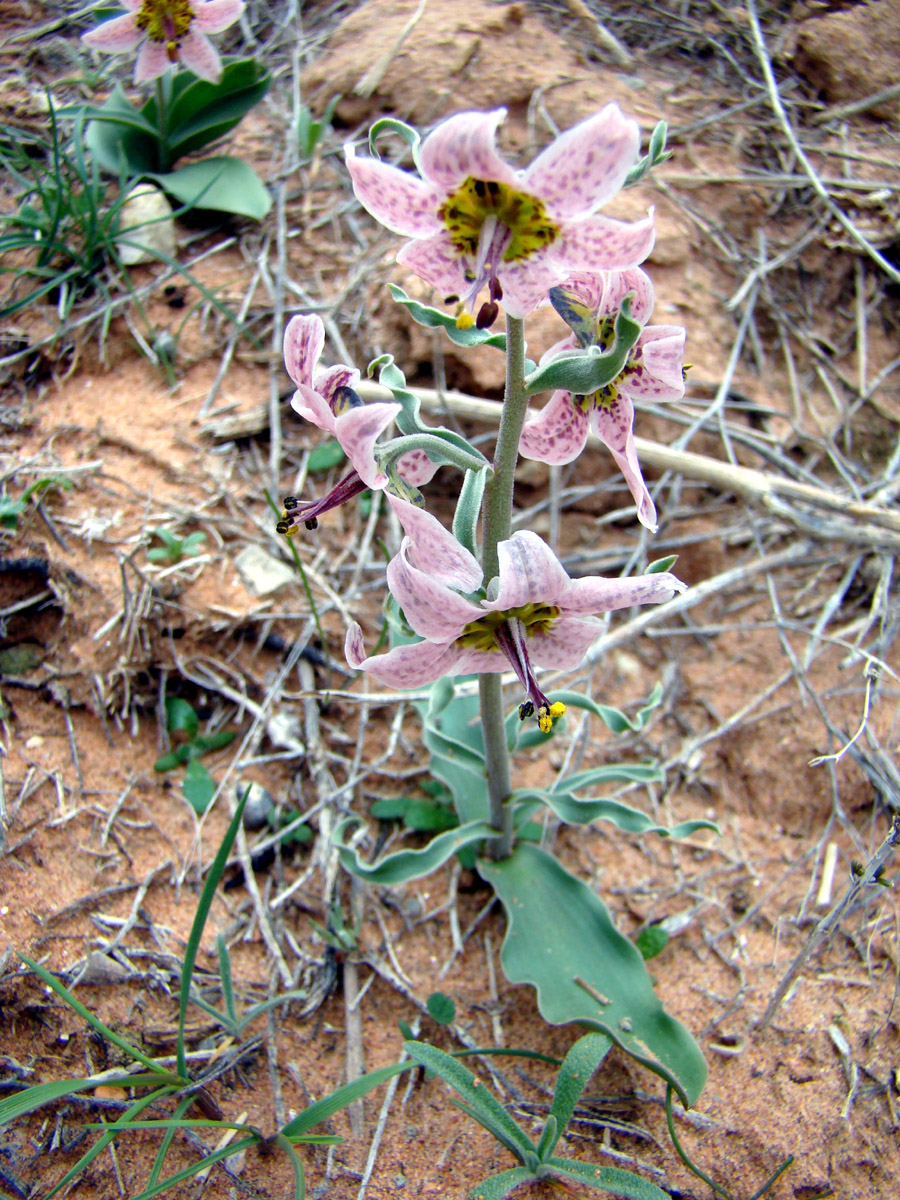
(654, 371)
(327, 398)
(164, 31)
(532, 615)
(477, 225)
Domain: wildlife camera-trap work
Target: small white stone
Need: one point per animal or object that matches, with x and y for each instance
(261, 573)
(146, 225)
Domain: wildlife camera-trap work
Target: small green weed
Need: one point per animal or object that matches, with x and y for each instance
(183, 724)
(11, 509)
(174, 549)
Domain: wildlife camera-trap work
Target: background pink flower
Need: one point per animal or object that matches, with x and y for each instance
(164, 31)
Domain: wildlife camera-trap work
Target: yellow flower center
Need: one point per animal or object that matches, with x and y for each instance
(466, 210)
(166, 21)
(480, 634)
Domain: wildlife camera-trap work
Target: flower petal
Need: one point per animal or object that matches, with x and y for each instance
(304, 340)
(416, 467)
(563, 646)
(463, 147)
(199, 55)
(530, 573)
(215, 15)
(586, 165)
(557, 434)
(597, 595)
(434, 610)
(435, 260)
(116, 36)
(527, 281)
(308, 404)
(402, 202)
(601, 244)
(657, 369)
(435, 550)
(421, 663)
(327, 382)
(152, 61)
(614, 426)
(357, 431)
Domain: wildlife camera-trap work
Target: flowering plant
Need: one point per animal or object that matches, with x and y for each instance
(187, 110)
(482, 599)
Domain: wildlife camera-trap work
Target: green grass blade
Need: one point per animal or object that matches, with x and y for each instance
(195, 1168)
(332, 1103)
(36, 1097)
(112, 1130)
(156, 1169)
(227, 984)
(203, 907)
(299, 565)
(299, 1174)
(95, 1023)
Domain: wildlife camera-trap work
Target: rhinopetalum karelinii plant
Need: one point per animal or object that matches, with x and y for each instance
(482, 599)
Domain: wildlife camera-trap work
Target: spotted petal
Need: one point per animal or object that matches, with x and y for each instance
(601, 244)
(658, 373)
(421, 663)
(594, 594)
(435, 260)
(557, 434)
(462, 147)
(614, 425)
(357, 431)
(433, 610)
(433, 550)
(304, 340)
(563, 646)
(199, 55)
(586, 166)
(526, 282)
(530, 573)
(152, 61)
(404, 203)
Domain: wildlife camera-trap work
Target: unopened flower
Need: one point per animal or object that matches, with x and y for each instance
(328, 399)
(533, 613)
(477, 224)
(654, 371)
(166, 31)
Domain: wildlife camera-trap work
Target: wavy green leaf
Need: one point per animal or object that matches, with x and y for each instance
(561, 940)
(577, 811)
(409, 864)
(582, 373)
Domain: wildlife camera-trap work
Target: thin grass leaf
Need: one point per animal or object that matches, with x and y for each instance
(189, 1172)
(203, 907)
(112, 1131)
(156, 1170)
(36, 1097)
(299, 1174)
(335, 1101)
(95, 1023)
(225, 976)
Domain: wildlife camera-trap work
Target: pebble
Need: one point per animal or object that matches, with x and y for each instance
(259, 804)
(148, 230)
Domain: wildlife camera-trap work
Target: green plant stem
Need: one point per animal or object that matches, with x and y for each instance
(163, 95)
(497, 525)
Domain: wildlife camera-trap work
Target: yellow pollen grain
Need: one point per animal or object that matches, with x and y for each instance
(465, 321)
